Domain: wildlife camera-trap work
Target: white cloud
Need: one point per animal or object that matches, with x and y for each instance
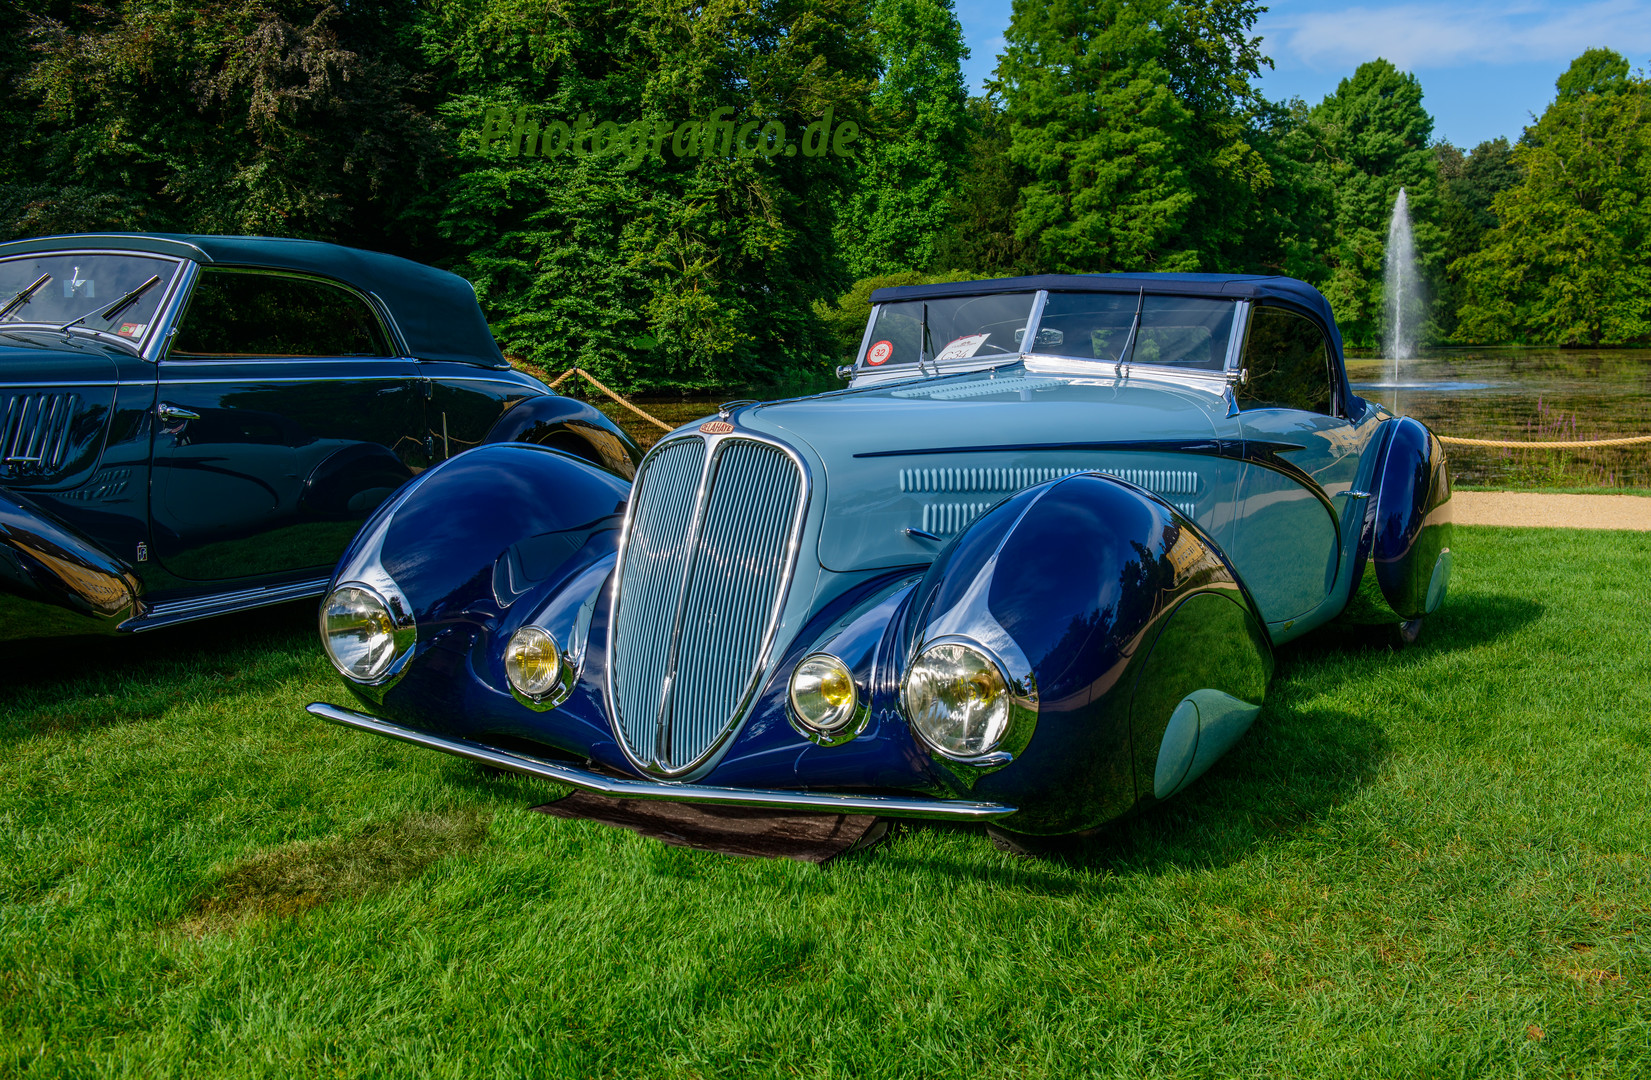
(1448, 34)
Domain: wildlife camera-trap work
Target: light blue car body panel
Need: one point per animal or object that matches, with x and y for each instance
(881, 467)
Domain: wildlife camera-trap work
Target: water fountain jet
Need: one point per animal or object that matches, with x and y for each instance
(1403, 293)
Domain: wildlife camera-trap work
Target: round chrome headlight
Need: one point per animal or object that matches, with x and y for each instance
(823, 694)
(361, 633)
(533, 662)
(957, 700)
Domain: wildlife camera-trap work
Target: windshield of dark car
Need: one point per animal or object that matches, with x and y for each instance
(1174, 331)
(81, 283)
(959, 328)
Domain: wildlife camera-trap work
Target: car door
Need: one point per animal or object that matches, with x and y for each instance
(1302, 459)
(283, 417)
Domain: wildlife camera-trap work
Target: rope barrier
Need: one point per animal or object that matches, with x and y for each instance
(1507, 444)
(1578, 444)
(592, 379)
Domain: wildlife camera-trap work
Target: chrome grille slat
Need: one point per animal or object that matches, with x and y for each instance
(695, 613)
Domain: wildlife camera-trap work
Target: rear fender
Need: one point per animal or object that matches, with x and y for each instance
(1404, 560)
(55, 581)
(1072, 585)
(572, 426)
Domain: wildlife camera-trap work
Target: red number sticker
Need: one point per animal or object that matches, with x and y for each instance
(879, 353)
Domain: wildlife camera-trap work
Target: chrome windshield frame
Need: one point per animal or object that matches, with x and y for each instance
(152, 333)
(1059, 363)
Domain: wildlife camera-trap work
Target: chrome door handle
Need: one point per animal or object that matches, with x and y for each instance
(168, 413)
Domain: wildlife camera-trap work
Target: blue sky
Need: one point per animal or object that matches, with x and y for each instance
(1485, 67)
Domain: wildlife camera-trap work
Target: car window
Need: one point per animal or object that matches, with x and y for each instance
(240, 313)
(1175, 331)
(78, 285)
(960, 328)
(1287, 362)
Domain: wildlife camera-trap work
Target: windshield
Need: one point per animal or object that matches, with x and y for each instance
(960, 328)
(1175, 331)
(79, 283)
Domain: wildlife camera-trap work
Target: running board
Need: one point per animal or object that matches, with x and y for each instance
(172, 612)
(620, 787)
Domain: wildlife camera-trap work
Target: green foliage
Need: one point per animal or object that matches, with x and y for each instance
(1375, 139)
(1468, 186)
(895, 209)
(291, 118)
(1596, 71)
(980, 209)
(845, 320)
(681, 273)
(1570, 262)
(1128, 117)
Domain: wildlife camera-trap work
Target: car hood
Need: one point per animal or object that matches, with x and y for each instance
(904, 467)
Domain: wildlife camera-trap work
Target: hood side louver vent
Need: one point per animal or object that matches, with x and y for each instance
(36, 433)
(943, 518)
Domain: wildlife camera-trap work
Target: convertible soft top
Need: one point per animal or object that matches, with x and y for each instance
(1236, 286)
(436, 311)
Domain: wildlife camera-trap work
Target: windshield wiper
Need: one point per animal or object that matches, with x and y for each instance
(1127, 353)
(118, 306)
(925, 345)
(23, 297)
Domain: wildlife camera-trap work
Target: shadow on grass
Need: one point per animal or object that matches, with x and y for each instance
(1462, 623)
(1296, 765)
(69, 684)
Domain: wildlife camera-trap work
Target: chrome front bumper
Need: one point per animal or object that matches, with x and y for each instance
(625, 788)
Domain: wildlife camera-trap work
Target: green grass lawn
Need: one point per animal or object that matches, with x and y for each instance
(1428, 863)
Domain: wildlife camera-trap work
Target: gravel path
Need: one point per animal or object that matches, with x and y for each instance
(1547, 510)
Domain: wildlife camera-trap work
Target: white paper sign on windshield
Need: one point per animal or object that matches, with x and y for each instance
(963, 347)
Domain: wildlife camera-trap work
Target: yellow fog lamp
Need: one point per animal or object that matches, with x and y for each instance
(533, 663)
(824, 699)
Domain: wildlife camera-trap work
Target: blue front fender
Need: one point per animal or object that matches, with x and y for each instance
(1115, 609)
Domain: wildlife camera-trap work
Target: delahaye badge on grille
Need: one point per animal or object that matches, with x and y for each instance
(1027, 570)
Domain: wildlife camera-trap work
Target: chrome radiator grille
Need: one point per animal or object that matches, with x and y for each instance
(707, 556)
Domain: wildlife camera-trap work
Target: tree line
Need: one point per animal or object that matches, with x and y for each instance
(1114, 136)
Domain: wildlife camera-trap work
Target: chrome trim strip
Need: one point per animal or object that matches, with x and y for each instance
(625, 788)
(1034, 319)
(1236, 339)
(177, 611)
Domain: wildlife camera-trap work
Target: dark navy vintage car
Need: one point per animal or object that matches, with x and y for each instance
(191, 425)
(1027, 569)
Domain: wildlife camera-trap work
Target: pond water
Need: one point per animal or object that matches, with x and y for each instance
(1526, 394)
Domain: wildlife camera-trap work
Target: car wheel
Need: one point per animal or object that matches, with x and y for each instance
(1410, 631)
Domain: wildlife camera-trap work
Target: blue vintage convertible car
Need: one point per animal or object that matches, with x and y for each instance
(1027, 569)
(192, 425)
